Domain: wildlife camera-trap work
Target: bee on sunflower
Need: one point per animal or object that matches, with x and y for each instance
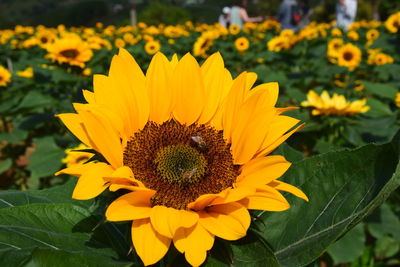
(190, 146)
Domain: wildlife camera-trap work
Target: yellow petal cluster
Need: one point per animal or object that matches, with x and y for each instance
(335, 105)
(5, 76)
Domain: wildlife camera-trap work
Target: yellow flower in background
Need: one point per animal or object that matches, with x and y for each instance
(278, 43)
(336, 32)
(397, 100)
(5, 76)
(152, 47)
(392, 24)
(119, 43)
(75, 157)
(87, 71)
(203, 44)
(335, 105)
(186, 141)
(353, 35)
(359, 86)
(70, 50)
(334, 46)
(26, 73)
(234, 29)
(242, 44)
(372, 35)
(44, 37)
(382, 59)
(349, 56)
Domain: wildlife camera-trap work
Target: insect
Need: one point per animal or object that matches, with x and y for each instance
(187, 175)
(200, 142)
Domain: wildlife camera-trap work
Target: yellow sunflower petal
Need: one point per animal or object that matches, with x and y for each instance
(266, 198)
(89, 96)
(228, 221)
(158, 78)
(131, 206)
(74, 124)
(167, 220)
(149, 245)
(288, 188)
(105, 137)
(75, 170)
(187, 84)
(261, 171)
(265, 150)
(215, 85)
(90, 183)
(194, 242)
(234, 100)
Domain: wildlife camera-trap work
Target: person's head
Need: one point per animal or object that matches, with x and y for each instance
(241, 3)
(226, 10)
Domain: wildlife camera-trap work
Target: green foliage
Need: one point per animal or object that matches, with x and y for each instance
(157, 12)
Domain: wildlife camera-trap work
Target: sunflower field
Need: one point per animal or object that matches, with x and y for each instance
(120, 107)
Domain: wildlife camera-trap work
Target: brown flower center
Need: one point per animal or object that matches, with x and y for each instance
(180, 162)
(348, 56)
(70, 53)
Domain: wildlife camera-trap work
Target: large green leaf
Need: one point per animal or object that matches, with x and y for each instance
(57, 194)
(343, 188)
(60, 229)
(46, 159)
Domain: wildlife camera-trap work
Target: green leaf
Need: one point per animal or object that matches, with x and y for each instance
(15, 136)
(343, 188)
(381, 89)
(53, 227)
(384, 222)
(61, 258)
(46, 159)
(349, 247)
(386, 247)
(56, 194)
(5, 165)
(33, 99)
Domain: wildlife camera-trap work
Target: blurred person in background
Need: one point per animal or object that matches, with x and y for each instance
(289, 14)
(224, 17)
(346, 11)
(239, 14)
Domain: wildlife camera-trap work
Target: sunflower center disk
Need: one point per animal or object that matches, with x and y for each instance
(180, 164)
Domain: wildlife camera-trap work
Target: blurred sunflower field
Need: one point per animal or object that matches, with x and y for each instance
(345, 83)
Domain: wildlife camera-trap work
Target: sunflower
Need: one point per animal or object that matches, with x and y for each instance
(397, 100)
(392, 24)
(372, 35)
(190, 144)
(69, 50)
(75, 157)
(349, 56)
(334, 46)
(353, 35)
(242, 44)
(335, 105)
(26, 73)
(45, 37)
(278, 43)
(336, 32)
(119, 43)
(152, 47)
(203, 44)
(234, 29)
(5, 76)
